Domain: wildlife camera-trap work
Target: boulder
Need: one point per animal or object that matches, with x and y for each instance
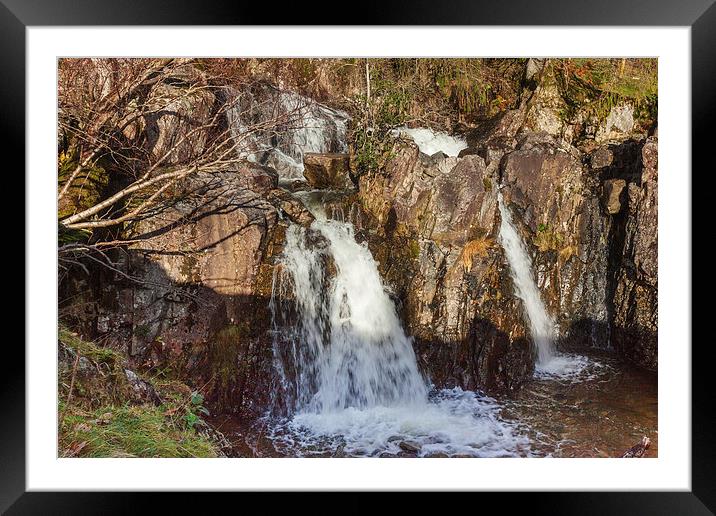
(410, 446)
(142, 389)
(613, 195)
(619, 124)
(291, 207)
(327, 170)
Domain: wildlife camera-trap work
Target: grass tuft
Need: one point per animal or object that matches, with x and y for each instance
(474, 248)
(104, 418)
(129, 431)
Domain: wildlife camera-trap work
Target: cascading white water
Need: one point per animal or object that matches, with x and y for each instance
(548, 364)
(348, 368)
(429, 142)
(292, 125)
(541, 324)
(355, 349)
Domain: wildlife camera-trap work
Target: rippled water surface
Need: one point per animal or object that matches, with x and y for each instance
(600, 410)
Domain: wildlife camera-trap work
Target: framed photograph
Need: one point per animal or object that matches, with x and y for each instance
(312, 257)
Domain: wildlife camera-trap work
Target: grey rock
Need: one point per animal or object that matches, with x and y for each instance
(410, 446)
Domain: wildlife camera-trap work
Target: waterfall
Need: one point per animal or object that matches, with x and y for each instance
(348, 370)
(353, 352)
(549, 364)
(540, 323)
(292, 125)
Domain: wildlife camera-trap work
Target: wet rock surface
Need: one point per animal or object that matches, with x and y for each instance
(432, 224)
(192, 293)
(635, 305)
(328, 171)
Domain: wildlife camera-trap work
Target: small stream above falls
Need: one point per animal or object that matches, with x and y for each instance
(305, 126)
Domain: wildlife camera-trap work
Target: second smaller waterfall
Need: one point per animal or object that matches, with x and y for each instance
(541, 324)
(549, 364)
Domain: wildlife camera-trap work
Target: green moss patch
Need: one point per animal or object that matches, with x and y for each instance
(595, 86)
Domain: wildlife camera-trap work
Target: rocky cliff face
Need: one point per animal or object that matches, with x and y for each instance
(436, 221)
(191, 294)
(435, 238)
(557, 202)
(635, 296)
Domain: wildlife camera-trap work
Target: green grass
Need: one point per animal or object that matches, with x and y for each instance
(103, 420)
(595, 86)
(130, 431)
(91, 350)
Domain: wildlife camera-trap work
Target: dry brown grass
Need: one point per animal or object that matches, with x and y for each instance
(566, 253)
(475, 248)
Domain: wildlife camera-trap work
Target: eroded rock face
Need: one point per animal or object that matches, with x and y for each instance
(200, 304)
(432, 224)
(558, 205)
(435, 223)
(635, 321)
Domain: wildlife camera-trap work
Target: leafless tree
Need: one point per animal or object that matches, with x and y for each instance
(114, 114)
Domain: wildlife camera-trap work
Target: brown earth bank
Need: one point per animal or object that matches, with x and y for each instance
(186, 292)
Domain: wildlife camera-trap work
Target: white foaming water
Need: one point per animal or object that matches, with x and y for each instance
(450, 422)
(571, 368)
(349, 371)
(429, 142)
(541, 324)
(549, 365)
(358, 355)
(305, 126)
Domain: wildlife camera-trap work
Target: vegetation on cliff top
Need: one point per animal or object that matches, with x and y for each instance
(594, 86)
(443, 94)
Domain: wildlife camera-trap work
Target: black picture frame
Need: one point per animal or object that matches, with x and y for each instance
(700, 15)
